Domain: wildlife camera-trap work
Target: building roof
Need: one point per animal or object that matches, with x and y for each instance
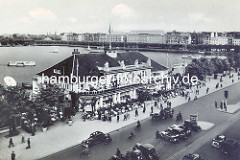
(88, 64)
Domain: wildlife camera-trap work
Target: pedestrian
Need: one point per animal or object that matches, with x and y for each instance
(124, 117)
(221, 85)
(136, 113)
(189, 99)
(207, 90)
(117, 117)
(224, 104)
(118, 153)
(195, 98)
(170, 104)
(225, 107)
(23, 138)
(11, 144)
(161, 106)
(221, 105)
(144, 109)
(216, 104)
(232, 80)
(13, 155)
(110, 118)
(28, 141)
(152, 109)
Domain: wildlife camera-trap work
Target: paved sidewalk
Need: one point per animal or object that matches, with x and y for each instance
(61, 136)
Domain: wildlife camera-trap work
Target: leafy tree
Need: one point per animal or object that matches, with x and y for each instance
(14, 101)
(49, 95)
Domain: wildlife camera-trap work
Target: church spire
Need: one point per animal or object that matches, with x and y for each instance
(110, 36)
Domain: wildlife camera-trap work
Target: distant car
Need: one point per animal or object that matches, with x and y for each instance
(192, 157)
(96, 138)
(148, 151)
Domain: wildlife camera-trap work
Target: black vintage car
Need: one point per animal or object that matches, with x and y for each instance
(165, 113)
(193, 157)
(148, 151)
(97, 137)
(182, 131)
(192, 126)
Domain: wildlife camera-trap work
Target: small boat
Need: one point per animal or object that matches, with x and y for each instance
(186, 57)
(102, 48)
(89, 49)
(21, 63)
(55, 51)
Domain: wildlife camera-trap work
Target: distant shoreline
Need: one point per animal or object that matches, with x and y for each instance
(135, 49)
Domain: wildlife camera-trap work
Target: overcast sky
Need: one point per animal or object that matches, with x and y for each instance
(42, 16)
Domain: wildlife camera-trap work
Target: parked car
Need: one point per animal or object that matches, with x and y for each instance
(192, 126)
(148, 151)
(218, 140)
(182, 131)
(97, 137)
(166, 135)
(165, 113)
(193, 157)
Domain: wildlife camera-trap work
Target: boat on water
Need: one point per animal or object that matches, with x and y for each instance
(21, 63)
(89, 48)
(187, 57)
(55, 51)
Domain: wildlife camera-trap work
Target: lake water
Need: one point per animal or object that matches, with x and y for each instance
(45, 57)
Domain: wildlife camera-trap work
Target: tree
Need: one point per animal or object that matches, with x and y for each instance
(13, 101)
(49, 94)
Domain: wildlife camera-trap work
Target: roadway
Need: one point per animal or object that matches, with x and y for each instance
(203, 106)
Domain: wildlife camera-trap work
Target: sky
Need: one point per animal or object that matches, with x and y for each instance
(80, 16)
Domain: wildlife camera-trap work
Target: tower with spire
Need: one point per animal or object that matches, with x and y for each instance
(110, 36)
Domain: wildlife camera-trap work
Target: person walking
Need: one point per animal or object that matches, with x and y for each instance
(124, 117)
(216, 106)
(28, 141)
(23, 139)
(152, 109)
(11, 144)
(136, 113)
(118, 117)
(144, 109)
(13, 156)
(118, 153)
(221, 105)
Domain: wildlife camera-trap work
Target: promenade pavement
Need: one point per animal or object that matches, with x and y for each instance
(62, 136)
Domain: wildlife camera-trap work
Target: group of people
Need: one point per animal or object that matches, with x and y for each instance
(11, 144)
(222, 105)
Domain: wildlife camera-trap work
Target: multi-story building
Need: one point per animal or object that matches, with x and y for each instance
(236, 42)
(146, 37)
(69, 36)
(108, 75)
(217, 39)
(178, 38)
